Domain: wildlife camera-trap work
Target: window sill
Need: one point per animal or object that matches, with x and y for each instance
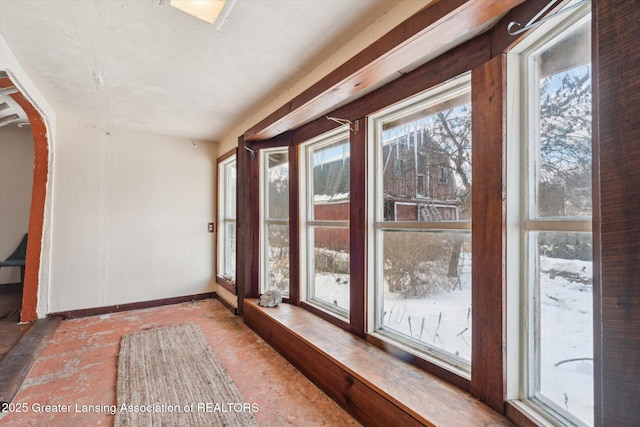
(526, 413)
(372, 385)
(227, 284)
(325, 315)
(450, 374)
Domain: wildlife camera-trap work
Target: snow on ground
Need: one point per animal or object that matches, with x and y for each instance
(444, 321)
(441, 320)
(566, 328)
(333, 288)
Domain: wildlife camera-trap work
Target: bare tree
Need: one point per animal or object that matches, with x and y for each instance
(565, 144)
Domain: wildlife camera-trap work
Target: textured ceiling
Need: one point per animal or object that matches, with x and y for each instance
(146, 65)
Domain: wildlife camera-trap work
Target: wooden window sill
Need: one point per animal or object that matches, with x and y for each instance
(523, 414)
(372, 385)
(227, 284)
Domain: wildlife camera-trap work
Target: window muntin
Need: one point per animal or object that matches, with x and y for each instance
(227, 221)
(553, 182)
(325, 229)
(422, 254)
(275, 221)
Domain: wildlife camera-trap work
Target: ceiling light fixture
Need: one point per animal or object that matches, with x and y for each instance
(206, 10)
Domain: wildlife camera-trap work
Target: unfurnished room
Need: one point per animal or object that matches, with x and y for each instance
(319, 212)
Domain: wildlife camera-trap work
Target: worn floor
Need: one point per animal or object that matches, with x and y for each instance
(79, 366)
(10, 329)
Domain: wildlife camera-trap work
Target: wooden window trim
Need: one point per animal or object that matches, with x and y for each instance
(488, 233)
(615, 217)
(253, 288)
(294, 224)
(359, 142)
(420, 36)
(455, 62)
(247, 235)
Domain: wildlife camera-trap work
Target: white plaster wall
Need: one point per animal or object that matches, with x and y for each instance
(16, 180)
(130, 214)
(126, 217)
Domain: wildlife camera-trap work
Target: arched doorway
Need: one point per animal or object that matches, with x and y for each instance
(38, 198)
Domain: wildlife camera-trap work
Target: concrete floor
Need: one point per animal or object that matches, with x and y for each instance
(79, 366)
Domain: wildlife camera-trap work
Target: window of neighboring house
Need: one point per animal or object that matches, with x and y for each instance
(550, 219)
(227, 218)
(420, 189)
(274, 229)
(324, 231)
(399, 168)
(422, 262)
(442, 175)
(389, 213)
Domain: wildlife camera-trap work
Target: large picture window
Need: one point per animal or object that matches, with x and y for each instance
(554, 172)
(325, 230)
(422, 225)
(227, 219)
(275, 220)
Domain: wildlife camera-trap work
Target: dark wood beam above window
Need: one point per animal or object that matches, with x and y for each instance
(438, 27)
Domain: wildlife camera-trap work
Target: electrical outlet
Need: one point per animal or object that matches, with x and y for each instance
(212, 227)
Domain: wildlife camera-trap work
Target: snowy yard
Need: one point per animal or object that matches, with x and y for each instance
(567, 335)
(333, 288)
